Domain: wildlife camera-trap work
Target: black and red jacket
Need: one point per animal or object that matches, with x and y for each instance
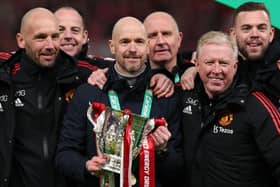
(32, 104)
(263, 74)
(232, 140)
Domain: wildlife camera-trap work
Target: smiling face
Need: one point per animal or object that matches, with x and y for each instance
(72, 32)
(129, 45)
(216, 67)
(39, 36)
(164, 40)
(253, 33)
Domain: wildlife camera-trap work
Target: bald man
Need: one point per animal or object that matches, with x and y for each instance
(164, 43)
(74, 41)
(33, 84)
(164, 40)
(39, 36)
(128, 80)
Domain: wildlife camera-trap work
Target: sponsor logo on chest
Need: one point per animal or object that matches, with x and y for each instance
(18, 99)
(224, 123)
(188, 109)
(18, 102)
(3, 99)
(190, 102)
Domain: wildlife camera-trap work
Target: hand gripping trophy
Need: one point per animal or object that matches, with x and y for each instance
(123, 136)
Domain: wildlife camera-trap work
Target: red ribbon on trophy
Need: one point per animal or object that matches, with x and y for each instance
(147, 159)
(98, 114)
(98, 109)
(147, 163)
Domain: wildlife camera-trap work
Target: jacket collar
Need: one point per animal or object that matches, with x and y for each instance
(4, 75)
(65, 66)
(83, 53)
(272, 53)
(119, 84)
(236, 94)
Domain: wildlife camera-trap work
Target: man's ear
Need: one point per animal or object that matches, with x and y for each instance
(111, 46)
(235, 66)
(20, 40)
(180, 38)
(85, 37)
(148, 48)
(278, 64)
(194, 56)
(271, 34)
(232, 32)
(194, 61)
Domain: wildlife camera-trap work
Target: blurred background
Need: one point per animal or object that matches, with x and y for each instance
(194, 18)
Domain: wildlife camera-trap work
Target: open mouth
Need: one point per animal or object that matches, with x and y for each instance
(254, 44)
(67, 46)
(48, 54)
(216, 80)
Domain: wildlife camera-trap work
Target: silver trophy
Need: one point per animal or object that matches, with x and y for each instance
(109, 130)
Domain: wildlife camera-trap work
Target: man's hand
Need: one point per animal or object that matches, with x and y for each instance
(98, 78)
(161, 136)
(278, 64)
(162, 86)
(93, 165)
(187, 79)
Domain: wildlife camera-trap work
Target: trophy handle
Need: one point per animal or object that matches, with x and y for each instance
(99, 121)
(89, 112)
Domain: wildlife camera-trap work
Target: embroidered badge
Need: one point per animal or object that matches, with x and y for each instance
(69, 95)
(225, 118)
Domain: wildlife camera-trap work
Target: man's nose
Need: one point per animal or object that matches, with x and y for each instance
(217, 68)
(49, 43)
(254, 32)
(67, 34)
(132, 47)
(160, 39)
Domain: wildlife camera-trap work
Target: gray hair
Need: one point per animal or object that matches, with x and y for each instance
(217, 37)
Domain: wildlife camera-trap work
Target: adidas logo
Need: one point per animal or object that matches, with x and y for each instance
(18, 103)
(1, 108)
(188, 109)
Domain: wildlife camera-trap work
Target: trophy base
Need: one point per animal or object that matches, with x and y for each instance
(113, 164)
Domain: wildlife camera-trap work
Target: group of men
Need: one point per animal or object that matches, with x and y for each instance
(223, 131)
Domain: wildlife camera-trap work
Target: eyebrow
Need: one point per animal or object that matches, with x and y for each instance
(40, 35)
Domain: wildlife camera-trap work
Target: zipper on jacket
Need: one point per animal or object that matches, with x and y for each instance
(40, 109)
